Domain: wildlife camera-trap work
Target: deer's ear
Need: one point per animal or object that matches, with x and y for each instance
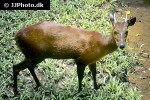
(131, 21)
(111, 16)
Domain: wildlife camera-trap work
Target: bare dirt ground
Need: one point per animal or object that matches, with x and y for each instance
(139, 40)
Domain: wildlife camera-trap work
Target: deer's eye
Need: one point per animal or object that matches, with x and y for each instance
(115, 33)
(126, 33)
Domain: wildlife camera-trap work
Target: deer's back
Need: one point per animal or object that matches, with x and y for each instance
(55, 40)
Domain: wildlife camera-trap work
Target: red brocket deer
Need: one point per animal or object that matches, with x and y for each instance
(51, 40)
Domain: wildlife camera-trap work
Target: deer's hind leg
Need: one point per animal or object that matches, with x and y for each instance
(26, 63)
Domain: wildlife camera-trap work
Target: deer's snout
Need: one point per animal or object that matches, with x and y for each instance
(122, 41)
(122, 46)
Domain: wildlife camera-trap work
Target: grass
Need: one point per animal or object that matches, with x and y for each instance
(58, 77)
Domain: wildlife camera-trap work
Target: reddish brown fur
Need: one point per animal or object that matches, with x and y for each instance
(51, 40)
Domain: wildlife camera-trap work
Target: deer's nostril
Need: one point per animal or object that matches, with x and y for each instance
(122, 46)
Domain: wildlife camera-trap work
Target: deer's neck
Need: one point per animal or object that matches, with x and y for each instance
(109, 43)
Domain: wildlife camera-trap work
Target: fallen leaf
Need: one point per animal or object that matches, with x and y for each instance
(40, 78)
(138, 34)
(127, 12)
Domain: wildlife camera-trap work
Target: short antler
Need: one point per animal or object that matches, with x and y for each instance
(115, 18)
(126, 18)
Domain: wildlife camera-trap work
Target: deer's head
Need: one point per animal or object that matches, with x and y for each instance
(120, 29)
